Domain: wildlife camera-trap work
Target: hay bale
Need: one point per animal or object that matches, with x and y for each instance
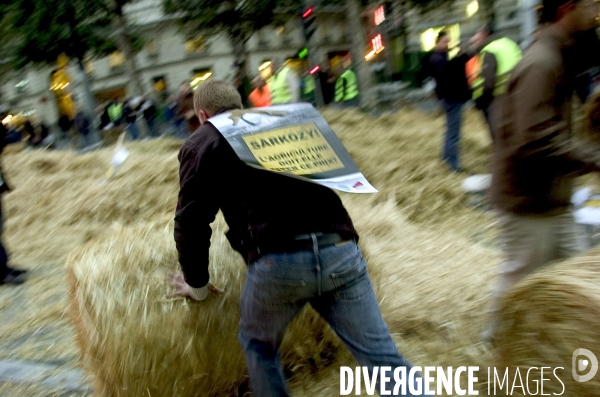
(548, 316)
(136, 342)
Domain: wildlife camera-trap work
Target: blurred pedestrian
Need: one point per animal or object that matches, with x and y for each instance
(496, 58)
(346, 86)
(325, 79)
(82, 125)
(308, 88)
(32, 138)
(114, 111)
(8, 275)
(260, 97)
(534, 158)
(453, 91)
(301, 251)
(65, 124)
(284, 84)
(130, 116)
(149, 112)
(185, 107)
(175, 123)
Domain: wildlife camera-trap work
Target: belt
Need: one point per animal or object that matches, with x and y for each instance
(301, 242)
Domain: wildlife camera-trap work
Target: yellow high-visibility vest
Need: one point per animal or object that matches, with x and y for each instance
(280, 92)
(507, 54)
(351, 90)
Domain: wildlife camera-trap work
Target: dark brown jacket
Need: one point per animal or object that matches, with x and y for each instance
(260, 207)
(535, 159)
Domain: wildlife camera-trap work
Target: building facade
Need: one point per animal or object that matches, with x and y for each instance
(170, 58)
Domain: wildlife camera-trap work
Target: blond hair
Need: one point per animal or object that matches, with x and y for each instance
(215, 95)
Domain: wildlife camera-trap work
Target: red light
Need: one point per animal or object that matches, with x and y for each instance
(379, 15)
(314, 70)
(377, 43)
(306, 13)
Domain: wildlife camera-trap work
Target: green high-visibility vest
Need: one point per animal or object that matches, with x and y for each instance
(280, 92)
(115, 111)
(507, 54)
(351, 87)
(309, 85)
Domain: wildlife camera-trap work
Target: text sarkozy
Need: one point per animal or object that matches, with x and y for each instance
(283, 139)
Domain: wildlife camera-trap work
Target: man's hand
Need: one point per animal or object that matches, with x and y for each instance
(177, 281)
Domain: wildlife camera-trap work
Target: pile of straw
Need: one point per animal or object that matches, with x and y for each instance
(137, 342)
(419, 235)
(548, 316)
(132, 337)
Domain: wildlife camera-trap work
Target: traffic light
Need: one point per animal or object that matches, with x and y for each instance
(379, 15)
(308, 22)
(303, 53)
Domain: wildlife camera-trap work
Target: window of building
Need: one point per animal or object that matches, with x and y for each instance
(264, 69)
(196, 45)
(152, 47)
(429, 37)
(116, 59)
(200, 75)
(159, 84)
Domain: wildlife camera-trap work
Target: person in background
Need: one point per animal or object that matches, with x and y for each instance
(324, 78)
(65, 124)
(185, 107)
(130, 115)
(8, 275)
(309, 88)
(308, 255)
(496, 58)
(346, 86)
(284, 85)
(453, 91)
(534, 160)
(149, 112)
(82, 124)
(32, 138)
(260, 96)
(114, 111)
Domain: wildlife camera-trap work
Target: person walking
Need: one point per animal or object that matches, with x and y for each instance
(308, 255)
(534, 160)
(453, 91)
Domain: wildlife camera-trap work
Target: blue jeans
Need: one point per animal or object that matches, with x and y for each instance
(151, 123)
(335, 281)
(452, 137)
(133, 130)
